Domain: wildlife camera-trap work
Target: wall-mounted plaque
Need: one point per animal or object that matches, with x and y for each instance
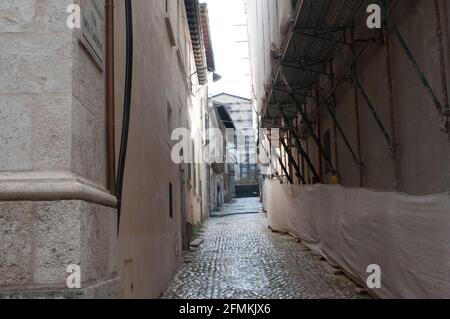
(93, 30)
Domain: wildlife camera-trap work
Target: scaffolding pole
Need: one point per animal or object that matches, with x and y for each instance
(300, 148)
(446, 120)
(443, 110)
(307, 122)
(341, 131)
(357, 112)
(363, 92)
(292, 160)
(392, 115)
(285, 171)
(344, 76)
(270, 159)
(333, 96)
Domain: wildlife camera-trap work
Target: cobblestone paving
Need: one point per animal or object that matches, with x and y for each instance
(239, 206)
(242, 259)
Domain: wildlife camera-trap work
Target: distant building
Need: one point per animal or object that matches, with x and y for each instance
(241, 112)
(221, 177)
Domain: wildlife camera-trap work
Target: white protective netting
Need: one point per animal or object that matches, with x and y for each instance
(408, 237)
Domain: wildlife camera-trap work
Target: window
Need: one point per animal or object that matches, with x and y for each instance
(170, 200)
(327, 149)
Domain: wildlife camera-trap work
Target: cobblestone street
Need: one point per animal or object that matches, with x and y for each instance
(241, 258)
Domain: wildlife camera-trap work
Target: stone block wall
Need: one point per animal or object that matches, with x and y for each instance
(54, 208)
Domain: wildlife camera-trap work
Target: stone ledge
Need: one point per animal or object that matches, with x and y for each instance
(52, 186)
(109, 289)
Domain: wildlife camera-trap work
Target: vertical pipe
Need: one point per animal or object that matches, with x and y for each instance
(126, 106)
(269, 138)
(319, 135)
(307, 152)
(440, 37)
(289, 150)
(298, 152)
(110, 119)
(357, 112)
(336, 148)
(392, 115)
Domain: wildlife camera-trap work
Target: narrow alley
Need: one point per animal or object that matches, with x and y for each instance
(241, 258)
(212, 149)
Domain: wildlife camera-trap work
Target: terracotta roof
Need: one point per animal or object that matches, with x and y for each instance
(204, 16)
(194, 20)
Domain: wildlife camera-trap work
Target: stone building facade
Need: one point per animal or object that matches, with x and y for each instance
(61, 106)
(55, 209)
(242, 114)
(221, 175)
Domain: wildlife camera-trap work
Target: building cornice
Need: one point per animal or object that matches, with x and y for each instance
(52, 186)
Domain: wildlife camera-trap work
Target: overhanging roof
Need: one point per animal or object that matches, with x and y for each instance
(207, 37)
(194, 21)
(305, 49)
(225, 117)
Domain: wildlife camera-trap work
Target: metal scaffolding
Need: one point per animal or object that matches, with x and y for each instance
(322, 32)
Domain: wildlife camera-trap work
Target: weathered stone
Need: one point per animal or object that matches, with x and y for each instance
(41, 239)
(57, 240)
(52, 142)
(16, 246)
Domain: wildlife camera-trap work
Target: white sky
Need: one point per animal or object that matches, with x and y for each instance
(231, 57)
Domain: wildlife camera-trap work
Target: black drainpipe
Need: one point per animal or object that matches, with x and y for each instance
(126, 107)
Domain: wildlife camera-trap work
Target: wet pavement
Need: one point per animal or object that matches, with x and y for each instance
(242, 259)
(239, 206)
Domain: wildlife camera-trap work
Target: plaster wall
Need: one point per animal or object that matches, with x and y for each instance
(150, 239)
(268, 23)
